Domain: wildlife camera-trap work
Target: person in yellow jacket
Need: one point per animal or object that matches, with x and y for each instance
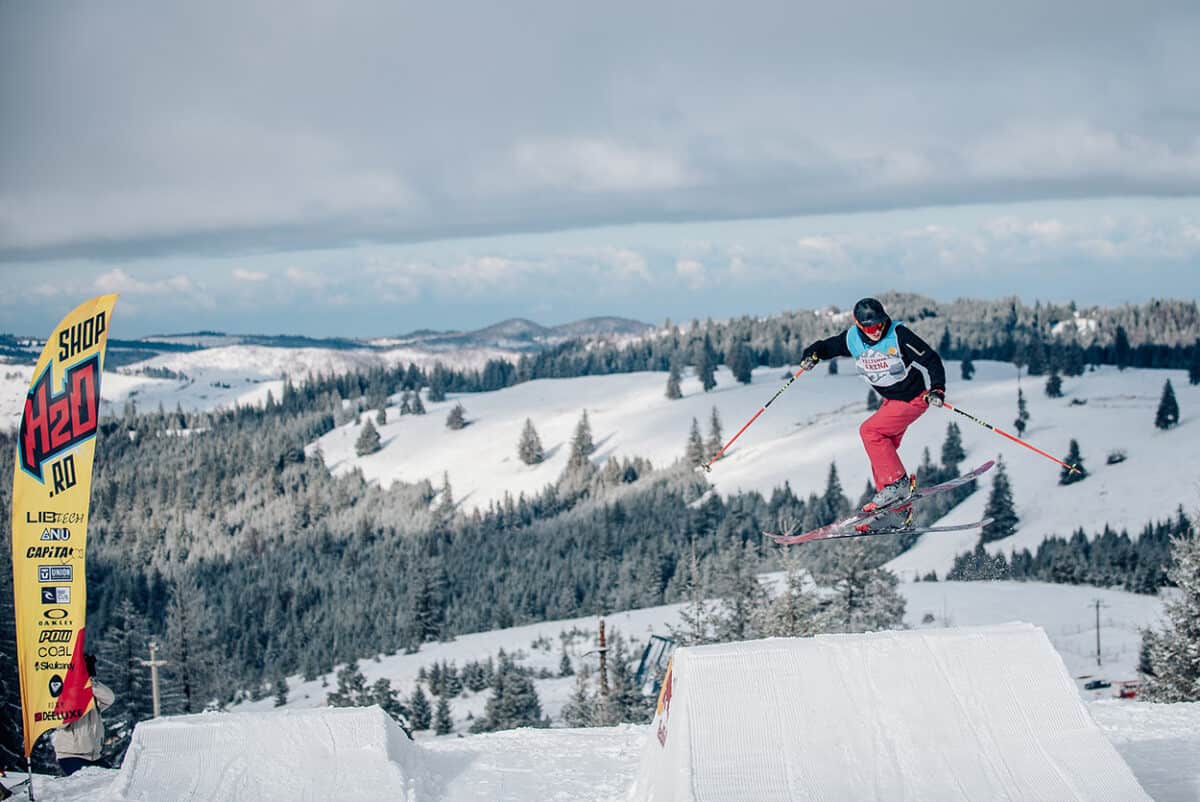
(79, 743)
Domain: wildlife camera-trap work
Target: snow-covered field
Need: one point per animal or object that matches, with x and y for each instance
(1159, 743)
(814, 423)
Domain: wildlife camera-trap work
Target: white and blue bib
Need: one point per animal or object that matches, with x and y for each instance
(880, 364)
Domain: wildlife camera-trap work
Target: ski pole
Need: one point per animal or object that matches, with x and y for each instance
(804, 368)
(1017, 440)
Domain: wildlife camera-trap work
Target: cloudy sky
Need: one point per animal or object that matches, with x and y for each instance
(371, 168)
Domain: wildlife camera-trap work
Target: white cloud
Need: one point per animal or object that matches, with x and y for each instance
(240, 274)
(692, 273)
(308, 279)
(117, 280)
(598, 165)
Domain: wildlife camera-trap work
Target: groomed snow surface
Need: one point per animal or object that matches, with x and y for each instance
(970, 713)
(956, 713)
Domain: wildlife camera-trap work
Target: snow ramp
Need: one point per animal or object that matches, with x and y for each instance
(289, 756)
(980, 713)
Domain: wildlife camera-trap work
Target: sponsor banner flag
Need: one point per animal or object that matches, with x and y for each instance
(52, 484)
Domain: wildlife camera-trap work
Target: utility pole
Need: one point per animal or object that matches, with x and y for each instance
(1098, 604)
(154, 664)
(603, 661)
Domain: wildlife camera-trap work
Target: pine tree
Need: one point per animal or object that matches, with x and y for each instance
(674, 392)
(420, 717)
(190, 646)
(695, 619)
(1168, 408)
(1054, 385)
(417, 407)
(1036, 356)
(872, 400)
(578, 711)
(405, 404)
(443, 722)
(1121, 348)
(351, 687)
(968, 369)
(944, 344)
(1174, 652)
(457, 419)
(834, 501)
(368, 441)
(833, 367)
(123, 647)
(1022, 413)
(381, 415)
(383, 694)
(1000, 508)
(741, 363)
(582, 445)
(742, 595)
(694, 454)
(706, 364)
(624, 702)
(513, 703)
(865, 596)
(1068, 476)
(715, 438)
(281, 692)
(792, 613)
(529, 448)
(1194, 365)
(952, 448)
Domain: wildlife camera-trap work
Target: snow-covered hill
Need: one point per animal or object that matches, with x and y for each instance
(813, 424)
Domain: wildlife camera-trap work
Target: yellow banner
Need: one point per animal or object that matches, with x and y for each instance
(52, 485)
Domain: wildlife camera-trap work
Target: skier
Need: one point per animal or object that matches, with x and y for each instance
(885, 353)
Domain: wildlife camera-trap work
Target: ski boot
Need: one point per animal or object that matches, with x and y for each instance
(898, 518)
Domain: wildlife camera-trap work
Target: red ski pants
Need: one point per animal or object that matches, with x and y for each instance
(882, 433)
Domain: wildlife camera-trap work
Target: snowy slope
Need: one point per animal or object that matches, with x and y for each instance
(1161, 743)
(813, 423)
(1062, 611)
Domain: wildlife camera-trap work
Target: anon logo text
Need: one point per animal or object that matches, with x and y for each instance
(54, 423)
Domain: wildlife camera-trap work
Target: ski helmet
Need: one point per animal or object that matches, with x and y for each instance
(870, 317)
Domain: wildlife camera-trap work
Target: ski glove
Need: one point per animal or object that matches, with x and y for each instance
(935, 397)
(809, 359)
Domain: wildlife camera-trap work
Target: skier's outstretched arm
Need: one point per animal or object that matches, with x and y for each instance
(828, 348)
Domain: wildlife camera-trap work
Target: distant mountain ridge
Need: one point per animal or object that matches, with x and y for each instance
(515, 335)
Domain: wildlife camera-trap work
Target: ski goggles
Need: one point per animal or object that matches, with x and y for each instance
(875, 330)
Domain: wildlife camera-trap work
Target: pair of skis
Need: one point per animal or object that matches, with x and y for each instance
(850, 527)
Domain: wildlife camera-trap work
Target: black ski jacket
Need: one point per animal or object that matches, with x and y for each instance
(881, 366)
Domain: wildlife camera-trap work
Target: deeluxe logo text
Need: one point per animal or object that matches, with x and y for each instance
(54, 423)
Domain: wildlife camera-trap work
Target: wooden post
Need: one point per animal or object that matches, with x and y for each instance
(154, 664)
(603, 662)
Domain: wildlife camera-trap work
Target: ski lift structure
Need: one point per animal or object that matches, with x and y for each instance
(653, 663)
